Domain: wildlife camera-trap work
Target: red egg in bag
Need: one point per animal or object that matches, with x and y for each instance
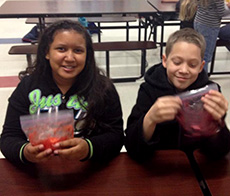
(194, 119)
(48, 128)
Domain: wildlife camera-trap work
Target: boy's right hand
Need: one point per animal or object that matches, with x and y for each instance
(164, 109)
(36, 154)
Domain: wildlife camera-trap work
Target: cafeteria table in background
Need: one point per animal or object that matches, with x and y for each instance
(86, 8)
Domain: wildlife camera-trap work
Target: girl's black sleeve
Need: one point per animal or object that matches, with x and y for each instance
(13, 138)
(109, 139)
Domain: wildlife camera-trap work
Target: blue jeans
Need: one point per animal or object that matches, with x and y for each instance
(225, 32)
(210, 35)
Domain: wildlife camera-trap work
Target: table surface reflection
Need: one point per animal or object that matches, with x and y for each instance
(216, 173)
(69, 8)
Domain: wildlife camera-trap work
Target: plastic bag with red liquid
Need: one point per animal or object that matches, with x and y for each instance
(194, 119)
(48, 128)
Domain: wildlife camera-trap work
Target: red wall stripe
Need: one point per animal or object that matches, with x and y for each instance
(9, 81)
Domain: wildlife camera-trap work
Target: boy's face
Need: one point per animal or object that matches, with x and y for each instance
(183, 64)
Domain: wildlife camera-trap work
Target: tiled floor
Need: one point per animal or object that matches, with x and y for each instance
(123, 63)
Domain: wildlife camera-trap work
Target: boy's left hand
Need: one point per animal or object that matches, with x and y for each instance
(216, 104)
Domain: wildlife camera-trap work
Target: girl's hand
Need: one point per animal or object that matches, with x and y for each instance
(36, 154)
(73, 149)
(216, 104)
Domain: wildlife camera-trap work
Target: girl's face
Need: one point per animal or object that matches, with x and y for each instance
(67, 56)
(183, 64)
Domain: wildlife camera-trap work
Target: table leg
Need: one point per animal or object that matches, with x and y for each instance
(41, 24)
(199, 176)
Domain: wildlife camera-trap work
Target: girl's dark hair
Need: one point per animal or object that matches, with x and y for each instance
(42, 65)
(91, 84)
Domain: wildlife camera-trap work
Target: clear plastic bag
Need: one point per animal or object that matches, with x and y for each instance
(194, 119)
(48, 128)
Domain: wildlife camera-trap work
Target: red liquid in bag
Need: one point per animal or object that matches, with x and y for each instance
(58, 134)
(48, 128)
(194, 119)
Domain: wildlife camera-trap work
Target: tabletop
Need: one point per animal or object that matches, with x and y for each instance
(47, 8)
(168, 173)
(216, 173)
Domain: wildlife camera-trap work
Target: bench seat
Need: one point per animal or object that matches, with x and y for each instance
(106, 47)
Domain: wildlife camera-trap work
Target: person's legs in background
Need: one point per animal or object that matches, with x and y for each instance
(210, 34)
(92, 28)
(33, 35)
(224, 34)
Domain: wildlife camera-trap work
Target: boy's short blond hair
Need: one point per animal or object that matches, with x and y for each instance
(188, 35)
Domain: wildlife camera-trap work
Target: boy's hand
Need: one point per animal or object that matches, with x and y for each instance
(36, 154)
(72, 149)
(164, 109)
(216, 104)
